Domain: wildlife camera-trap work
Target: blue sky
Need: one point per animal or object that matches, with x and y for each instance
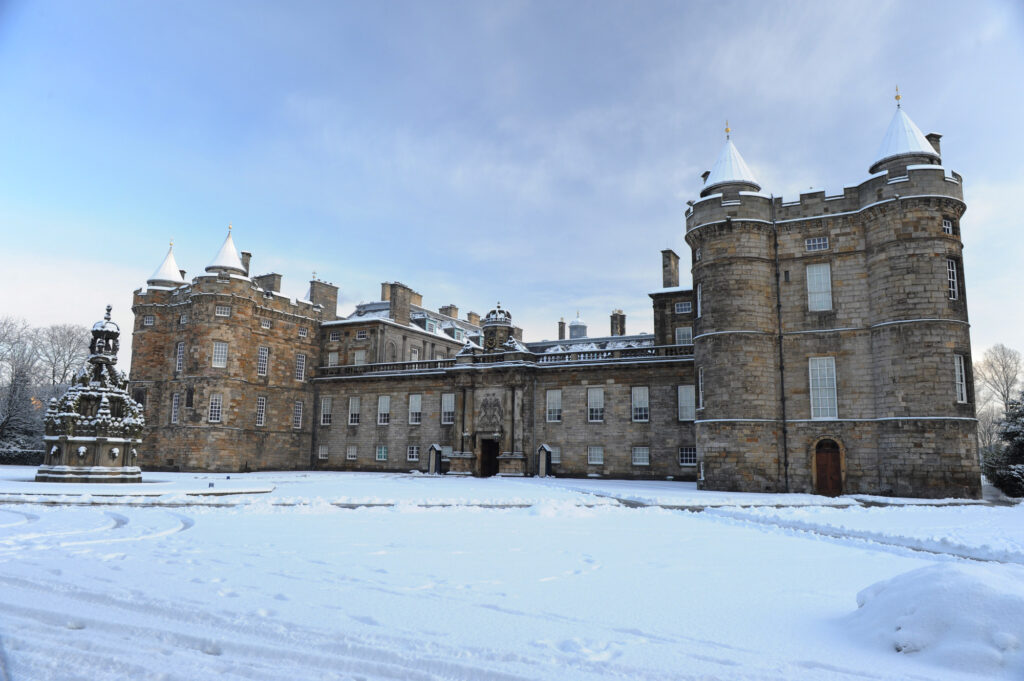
(539, 154)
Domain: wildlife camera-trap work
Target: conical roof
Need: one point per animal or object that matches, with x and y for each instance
(168, 273)
(227, 259)
(730, 168)
(903, 138)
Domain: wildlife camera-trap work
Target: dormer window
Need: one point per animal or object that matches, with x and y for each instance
(431, 326)
(460, 335)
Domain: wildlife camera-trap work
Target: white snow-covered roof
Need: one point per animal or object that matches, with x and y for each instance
(577, 322)
(168, 273)
(730, 168)
(227, 258)
(903, 138)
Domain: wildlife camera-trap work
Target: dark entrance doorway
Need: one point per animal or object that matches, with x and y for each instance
(488, 458)
(828, 471)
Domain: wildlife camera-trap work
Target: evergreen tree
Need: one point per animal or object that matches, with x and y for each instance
(1005, 468)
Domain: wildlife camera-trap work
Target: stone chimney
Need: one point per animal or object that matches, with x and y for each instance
(618, 323)
(704, 175)
(182, 274)
(449, 311)
(400, 296)
(246, 257)
(326, 295)
(934, 138)
(561, 329)
(269, 282)
(669, 269)
(517, 333)
(473, 318)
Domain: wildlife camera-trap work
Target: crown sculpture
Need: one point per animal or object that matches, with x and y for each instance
(93, 430)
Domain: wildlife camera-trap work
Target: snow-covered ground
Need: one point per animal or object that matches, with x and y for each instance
(369, 576)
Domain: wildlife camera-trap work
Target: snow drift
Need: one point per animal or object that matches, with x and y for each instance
(963, 617)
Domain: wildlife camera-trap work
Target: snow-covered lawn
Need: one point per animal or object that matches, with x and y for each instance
(366, 576)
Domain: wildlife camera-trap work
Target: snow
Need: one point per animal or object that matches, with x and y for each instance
(303, 575)
(730, 167)
(227, 257)
(902, 138)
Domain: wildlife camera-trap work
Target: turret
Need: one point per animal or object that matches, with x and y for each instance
(904, 144)
(168, 273)
(730, 172)
(227, 260)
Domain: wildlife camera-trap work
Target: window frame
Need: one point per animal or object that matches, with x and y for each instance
(595, 455)
(684, 307)
(553, 412)
(303, 332)
(698, 297)
(953, 278)
(175, 408)
(221, 310)
(179, 357)
(300, 366)
(265, 323)
(353, 416)
(690, 405)
(334, 336)
(595, 413)
(556, 454)
(322, 452)
(326, 410)
(215, 405)
(641, 456)
(261, 410)
(362, 334)
(219, 345)
(688, 337)
(352, 453)
(298, 406)
(381, 453)
(700, 390)
(148, 320)
(447, 417)
(824, 405)
(383, 410)
(960, 378)
(819, 297)
(418, 411)
(262, 360)
(412, 453)
(685, 452)
(816, 244)
(640, 401)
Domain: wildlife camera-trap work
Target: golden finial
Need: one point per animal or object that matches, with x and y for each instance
(229, 226)
(898, 98)
(314, 275)
(727, 129)
(172, 243)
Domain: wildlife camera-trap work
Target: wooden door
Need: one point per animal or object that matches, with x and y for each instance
(829, 475)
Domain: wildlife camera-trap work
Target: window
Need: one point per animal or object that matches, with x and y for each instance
(698, 300)
(431, 326)
(954, 288)
(595, 404)
(412, 453)
(353, 411)
(595, 456)
(300, 367)
(361, 334)
(382, 453)
(326, 405)
(264, 323)
(819, 287)
(261, 411)
(641, 456)
(556, 455)
(175, 403)
(351, 453)
(447, 408)
(687, 456)
(262, 357)
(335, 336)
(697, 254)
(322, 452)
(179, 357)
(641, 404)
(684, 335)
(332, 358)
(947, 225)
(700, 388)
(216, 404)
(139, 395)
(303, 332)
(554, 406)
(183, 318)
(446, 451)
(220, 354)
(684, 308)
(816, 243)
(961, 378)
(687, 411)
(822, 372)
(383, 410)
(415, 409)
(297, 415)
(359, 357)
(460, 335)
(148, 320)
(414, 355)
(189, 397)
(222, 310)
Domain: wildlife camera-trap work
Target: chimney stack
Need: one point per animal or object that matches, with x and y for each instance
(473, 318)
(618, 323)
(561, 329)
(934, 138)
(669, 269)
(269, 282)
(323, 294)
(449, 311)
(401, 297)
(246, 257)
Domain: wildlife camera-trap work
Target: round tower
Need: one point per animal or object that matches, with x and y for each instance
(730, 234)
(920, 342)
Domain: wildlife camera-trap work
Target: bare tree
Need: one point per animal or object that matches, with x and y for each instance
(999, 373)
(988, 428)
(20, 409)
(62, 348)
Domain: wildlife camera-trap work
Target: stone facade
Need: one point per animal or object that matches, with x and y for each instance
(824, 347)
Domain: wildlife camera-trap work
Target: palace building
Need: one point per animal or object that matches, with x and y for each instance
(824, 347)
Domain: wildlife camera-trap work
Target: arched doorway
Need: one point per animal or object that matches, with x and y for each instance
(828, 468)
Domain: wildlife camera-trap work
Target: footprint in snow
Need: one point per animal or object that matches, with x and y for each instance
(365, 619)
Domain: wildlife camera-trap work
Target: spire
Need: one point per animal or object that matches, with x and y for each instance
(903, 138)
(730, 168)
(168, 273)
(227, 259)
